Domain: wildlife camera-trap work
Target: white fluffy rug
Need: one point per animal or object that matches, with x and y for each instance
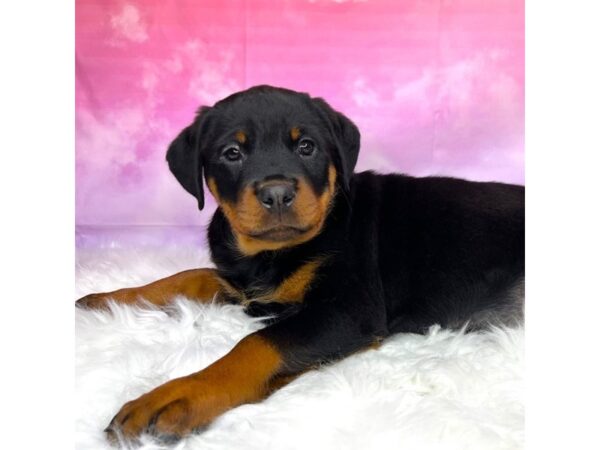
(446, 390)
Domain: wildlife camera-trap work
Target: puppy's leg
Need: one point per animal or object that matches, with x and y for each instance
(257, 365)
(196, 284)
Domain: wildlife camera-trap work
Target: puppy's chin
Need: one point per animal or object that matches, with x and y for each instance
(274, 238)
(282, 233)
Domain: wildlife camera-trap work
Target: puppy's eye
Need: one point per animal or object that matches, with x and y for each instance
(306, 147)
(232, 153)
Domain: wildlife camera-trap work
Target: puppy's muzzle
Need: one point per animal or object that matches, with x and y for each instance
(277, 196)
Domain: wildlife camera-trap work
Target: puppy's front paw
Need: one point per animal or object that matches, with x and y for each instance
(102, 299)
(93, 301)
(169, 412)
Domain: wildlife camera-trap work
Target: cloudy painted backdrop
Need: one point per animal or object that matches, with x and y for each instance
(436, 87)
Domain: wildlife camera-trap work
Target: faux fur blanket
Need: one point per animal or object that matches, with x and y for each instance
(445, 390)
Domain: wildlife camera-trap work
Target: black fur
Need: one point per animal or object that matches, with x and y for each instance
(402, 253)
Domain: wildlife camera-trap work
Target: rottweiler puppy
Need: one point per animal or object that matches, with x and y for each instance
(337, 260)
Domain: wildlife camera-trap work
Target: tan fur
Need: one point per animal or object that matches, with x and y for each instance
(291, 290)
(245, 216)
(184, 404)
(294, 287)
(229, 291)
(295, 133)
(198, 284)
(240, 136)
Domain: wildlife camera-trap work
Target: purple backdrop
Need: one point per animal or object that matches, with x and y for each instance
(435, 87)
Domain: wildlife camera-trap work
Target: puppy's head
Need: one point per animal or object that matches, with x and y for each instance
(272, 158)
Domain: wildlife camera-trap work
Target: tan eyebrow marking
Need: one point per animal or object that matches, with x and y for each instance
(240, 136)
(295, 133)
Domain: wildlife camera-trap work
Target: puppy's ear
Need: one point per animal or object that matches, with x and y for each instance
(185, 156)
(347, 139)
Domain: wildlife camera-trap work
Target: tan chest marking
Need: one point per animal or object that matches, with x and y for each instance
(294, 287)
(290, 290)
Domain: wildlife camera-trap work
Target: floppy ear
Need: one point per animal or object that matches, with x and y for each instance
(185, 157)
(347, 139)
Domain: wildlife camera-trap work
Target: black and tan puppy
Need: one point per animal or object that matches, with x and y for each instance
(341, 260)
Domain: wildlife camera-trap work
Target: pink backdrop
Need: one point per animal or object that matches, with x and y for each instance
(436, 87)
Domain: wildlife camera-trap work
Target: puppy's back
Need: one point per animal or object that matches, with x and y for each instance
(447, 250)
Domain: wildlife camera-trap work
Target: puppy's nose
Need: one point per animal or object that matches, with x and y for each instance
(277, 196)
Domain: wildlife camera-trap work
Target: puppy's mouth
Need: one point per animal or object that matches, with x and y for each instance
(279, 233)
